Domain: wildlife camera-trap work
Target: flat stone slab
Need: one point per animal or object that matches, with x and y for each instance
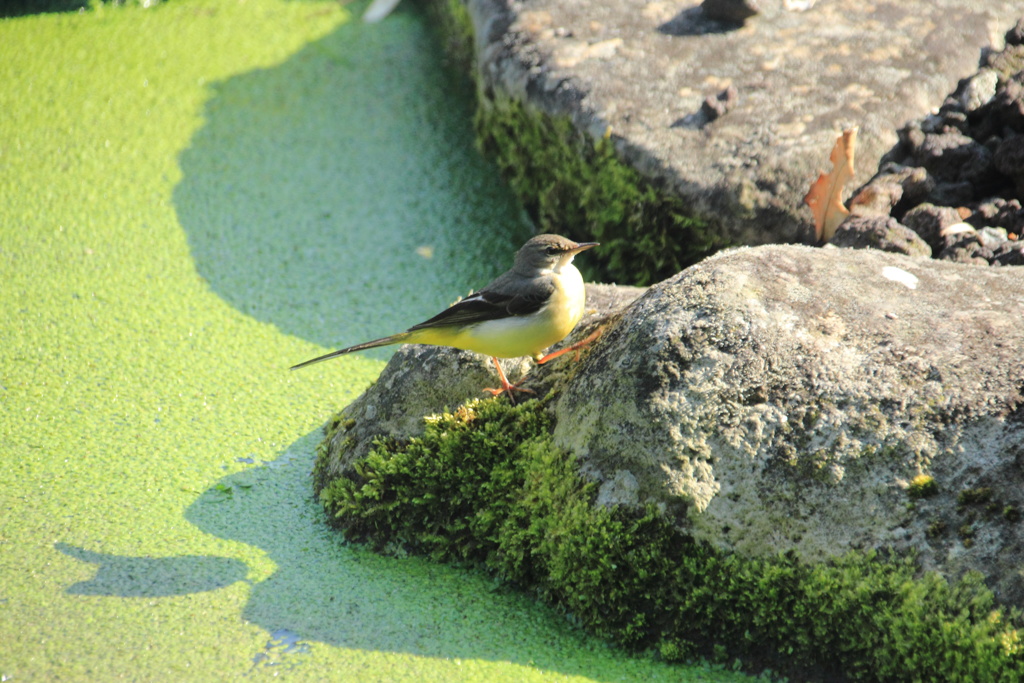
(643, 69)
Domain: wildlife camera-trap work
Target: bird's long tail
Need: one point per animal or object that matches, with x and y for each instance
(384, 341)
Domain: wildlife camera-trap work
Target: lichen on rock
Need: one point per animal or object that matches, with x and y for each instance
(782, 397)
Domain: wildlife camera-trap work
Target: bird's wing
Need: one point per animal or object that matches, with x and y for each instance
(492, 303)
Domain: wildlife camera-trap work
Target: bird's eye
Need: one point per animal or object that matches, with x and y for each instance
(552, 251)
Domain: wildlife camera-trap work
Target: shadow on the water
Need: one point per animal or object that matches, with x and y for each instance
(324, 590)
(339, 195)
(19, 8)
(153, 577)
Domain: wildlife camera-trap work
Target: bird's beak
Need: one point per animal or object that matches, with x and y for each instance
(583, 246)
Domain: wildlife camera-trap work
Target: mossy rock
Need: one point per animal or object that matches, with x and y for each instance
(486, 486)
(574, 184)
(654, 490)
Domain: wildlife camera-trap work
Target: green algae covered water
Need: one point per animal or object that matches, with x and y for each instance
(193, 197)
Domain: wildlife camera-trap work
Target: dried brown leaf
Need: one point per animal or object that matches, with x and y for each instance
(825, 196)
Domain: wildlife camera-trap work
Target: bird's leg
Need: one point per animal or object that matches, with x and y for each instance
(573, 347)
(506, 386)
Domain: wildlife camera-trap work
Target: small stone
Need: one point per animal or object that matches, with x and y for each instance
(999, 213)
(1006, 108)
(1010, 253)
(963, 246)
(955, 232)
(954, 119)
(893, 187)
(717, 105)
(876, 198)
(992, 238)
(954, 157)
(1006, 62)
(880, 232)
(928, 221)
(977, 90)
(911, 136)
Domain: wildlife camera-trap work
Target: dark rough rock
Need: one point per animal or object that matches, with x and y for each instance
(1000, 213)
(892, 190)
(1015, 36)
(644, 71)
(718, 105)
(1009, 160)
(961, 245)
(1005, 111)
(928, 221)
(972, 155)
(952, 157)
(982, 247)
(879, 232)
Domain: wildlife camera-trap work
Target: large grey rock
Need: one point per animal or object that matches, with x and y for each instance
(645, 71)
(783, 397)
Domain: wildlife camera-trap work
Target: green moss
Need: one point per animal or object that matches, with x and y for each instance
(575, 185)
(486, 486)
(922, 486)
(451, 20)
(935, 529)
(975, 496)
(321, 474)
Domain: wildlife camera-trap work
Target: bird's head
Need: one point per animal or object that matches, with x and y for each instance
(548, 253)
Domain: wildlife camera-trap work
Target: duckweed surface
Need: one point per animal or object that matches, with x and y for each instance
(195, 196)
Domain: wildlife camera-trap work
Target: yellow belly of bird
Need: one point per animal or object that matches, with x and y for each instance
(518, 336)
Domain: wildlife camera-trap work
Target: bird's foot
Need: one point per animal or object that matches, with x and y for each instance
(575, 348)
(506, 386)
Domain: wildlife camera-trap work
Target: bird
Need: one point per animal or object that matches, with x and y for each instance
(523, 311)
